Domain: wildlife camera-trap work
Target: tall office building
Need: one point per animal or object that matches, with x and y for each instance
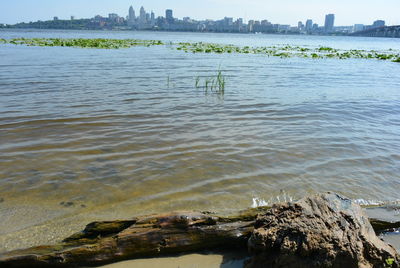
(309, 24)
(169, 16)
(142, 16)
(251, 26)
(131, 16)
(300, 25)
(329, 23)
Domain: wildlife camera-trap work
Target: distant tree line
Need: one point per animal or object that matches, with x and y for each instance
(80, 24)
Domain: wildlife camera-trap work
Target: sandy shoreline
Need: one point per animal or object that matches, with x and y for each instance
(234, 259)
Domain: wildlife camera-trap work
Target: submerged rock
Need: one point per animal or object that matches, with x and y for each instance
(385, 219)
(67, 204)
(323, 230)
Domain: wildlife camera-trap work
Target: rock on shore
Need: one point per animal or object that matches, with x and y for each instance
(323, 230)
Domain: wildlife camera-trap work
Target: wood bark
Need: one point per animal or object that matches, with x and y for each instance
(149, 236)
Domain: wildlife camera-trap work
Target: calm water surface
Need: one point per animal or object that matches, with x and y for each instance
(91, 134)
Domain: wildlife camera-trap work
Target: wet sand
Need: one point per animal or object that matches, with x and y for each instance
(233, 259)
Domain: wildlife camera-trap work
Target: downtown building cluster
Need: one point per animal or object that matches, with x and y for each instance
(148, 21)
(143, 20)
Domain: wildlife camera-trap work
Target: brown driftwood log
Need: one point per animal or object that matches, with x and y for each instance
(148, 236)
(105, 242)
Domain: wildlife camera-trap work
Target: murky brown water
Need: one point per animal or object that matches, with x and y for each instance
(101, 134)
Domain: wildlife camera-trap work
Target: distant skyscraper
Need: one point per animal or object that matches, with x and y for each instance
(152, 18)
(300, 25)
(132, 14)
(239, 24)
(329, 23)
(251, 25)
(309, 24)
(169, 16)
(142, 17)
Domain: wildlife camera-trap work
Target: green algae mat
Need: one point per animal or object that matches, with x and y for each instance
(282, 51)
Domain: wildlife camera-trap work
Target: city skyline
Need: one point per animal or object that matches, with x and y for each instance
(148, 21)
(273, 11)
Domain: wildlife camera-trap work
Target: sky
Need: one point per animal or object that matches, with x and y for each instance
(348, 12)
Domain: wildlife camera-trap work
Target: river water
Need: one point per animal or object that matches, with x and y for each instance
(88, 134)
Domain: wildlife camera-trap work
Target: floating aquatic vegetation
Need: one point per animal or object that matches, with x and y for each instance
(287, 51)
(282, 51)
(100, 43)
(384, 56)
(327, 49)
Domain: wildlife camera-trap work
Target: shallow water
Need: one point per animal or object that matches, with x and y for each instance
(90, 134)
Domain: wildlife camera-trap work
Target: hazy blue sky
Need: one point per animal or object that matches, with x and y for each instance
(348, 12)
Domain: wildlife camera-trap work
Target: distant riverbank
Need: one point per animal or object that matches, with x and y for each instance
(89, 24)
